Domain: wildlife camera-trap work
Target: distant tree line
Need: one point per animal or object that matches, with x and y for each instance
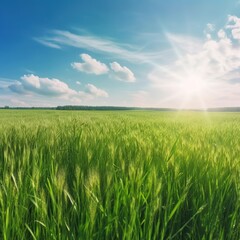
(109, 108)
(224, 109)
(28, 108)
(118, 108)
(112, 108)
(70, 107)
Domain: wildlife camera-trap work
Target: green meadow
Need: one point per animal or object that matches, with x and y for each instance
(119, 175)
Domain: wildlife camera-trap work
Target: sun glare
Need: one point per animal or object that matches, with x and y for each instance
(192, 88)
(192, 85)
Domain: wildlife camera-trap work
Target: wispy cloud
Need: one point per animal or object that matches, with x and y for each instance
(183, 43)
(90, 65)
(128, 52)
(4, 82)
(47, 43)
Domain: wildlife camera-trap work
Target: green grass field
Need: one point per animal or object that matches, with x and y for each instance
(119, 175)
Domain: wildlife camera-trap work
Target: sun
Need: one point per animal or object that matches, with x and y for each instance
(192, 89)
(191, 85)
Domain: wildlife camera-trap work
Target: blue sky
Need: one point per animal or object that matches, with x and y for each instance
(175, 53)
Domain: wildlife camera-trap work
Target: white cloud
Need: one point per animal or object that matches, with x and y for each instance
(210, 27)
(17, 87)
(234, 25)
(208, 30)
(44, 86)
(233, 22)
(31, 81)
(31, 85)
(222, 34)
(90, 65)
(122, 73)
(78, 83)
(93, 90)
(208, 36)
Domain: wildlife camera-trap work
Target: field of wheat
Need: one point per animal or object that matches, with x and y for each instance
(119, 175)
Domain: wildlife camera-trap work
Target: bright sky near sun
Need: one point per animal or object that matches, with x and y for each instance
(169, 53)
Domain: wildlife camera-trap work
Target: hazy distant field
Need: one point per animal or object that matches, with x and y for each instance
(119, 175)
